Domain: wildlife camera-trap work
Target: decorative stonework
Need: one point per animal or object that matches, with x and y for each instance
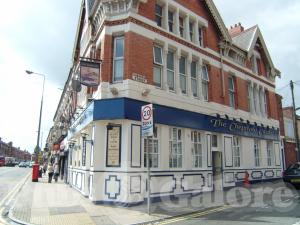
(108, 8)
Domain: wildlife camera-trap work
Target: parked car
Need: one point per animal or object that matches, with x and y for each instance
(292, 175)
(31, 164)
(2, 161)
(23, 164)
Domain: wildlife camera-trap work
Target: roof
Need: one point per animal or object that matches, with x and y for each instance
(245, 38)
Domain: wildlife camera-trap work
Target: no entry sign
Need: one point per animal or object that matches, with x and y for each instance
(147, 120)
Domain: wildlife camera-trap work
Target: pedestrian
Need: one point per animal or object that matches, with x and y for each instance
(56, 172)
(45, 167)
(50, 172)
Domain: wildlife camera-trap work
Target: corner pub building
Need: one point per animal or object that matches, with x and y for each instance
(213, 89)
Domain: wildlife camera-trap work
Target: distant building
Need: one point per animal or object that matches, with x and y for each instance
(217, 115)
(290, 137)
(8, 150)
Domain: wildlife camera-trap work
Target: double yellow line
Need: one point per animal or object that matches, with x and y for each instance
(194, 215)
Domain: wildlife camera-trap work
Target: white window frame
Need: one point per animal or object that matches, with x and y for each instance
(205, 82)
(270, 153)
(200, 34)
(236, 151)
(192, 33)
(197, 149)
(257, 153)
(231, 91)
(176, 157)
(266, 103)
(171, 70)
(194, 79)
(171, 21)
(153, 155)
(157, 65)
(183, 75)
(118, 58)
(181, 26)
(250, 97)
(158, 16)
(255, 100)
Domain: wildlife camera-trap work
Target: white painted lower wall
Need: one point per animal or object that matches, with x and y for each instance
(127, 183)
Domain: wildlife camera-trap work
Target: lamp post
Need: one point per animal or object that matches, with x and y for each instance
(37, 148)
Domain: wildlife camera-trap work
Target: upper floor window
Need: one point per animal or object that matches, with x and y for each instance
(158, 15)
(262, 101)
(118, 59)
(266, 102)
(182, 74)
(231, 90)
(257, 154)
(158, 65)
(194, 80)
(191, 26)
(255, 64)
(181, 27)
(236, 152)
(176, 148)
(170, 70)
(205, 80)
(152, 145)
(171, 21)
(255, 100)
(270, 153)
(250, 97)
(200, 32)
(196, 149)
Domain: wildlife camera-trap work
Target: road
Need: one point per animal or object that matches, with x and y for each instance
(11, 179)
(281, 208)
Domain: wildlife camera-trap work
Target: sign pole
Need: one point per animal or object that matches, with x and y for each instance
(148, 176)
(147, 131)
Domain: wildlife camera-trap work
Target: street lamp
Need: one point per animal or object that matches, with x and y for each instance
(37, 148)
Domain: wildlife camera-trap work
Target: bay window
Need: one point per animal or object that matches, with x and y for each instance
(205, 80)
(158, 66)
(176, 148)
(182, 74)
(194, 80)
(170, 70)
(118, 59)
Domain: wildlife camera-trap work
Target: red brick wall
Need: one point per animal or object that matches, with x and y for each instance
(107, 57)
(138, 56)
(242, 94)
(215, 84)
(290, 153)
(148, 9)
(272, 106)
(211, 34)
(280, 115)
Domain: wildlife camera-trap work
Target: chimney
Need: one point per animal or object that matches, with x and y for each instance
(236, 29)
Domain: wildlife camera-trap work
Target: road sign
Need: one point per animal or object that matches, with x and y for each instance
(147, 120)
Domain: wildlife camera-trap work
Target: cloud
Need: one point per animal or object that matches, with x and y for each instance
(39, 36)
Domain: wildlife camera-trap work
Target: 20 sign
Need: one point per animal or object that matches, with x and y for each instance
(147, 120)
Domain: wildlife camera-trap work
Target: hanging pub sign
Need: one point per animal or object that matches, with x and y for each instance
(89, 72)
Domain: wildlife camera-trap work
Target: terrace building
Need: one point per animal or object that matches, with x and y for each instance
(213, 89)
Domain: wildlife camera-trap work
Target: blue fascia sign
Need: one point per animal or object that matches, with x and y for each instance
(126, 108)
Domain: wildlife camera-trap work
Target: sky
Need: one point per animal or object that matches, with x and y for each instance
(39, 35)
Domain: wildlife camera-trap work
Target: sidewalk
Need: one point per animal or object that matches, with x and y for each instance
(59, 204)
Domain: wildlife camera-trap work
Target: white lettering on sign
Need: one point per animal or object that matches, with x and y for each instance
(147, 120)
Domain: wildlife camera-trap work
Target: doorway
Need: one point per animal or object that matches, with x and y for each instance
(217, 170)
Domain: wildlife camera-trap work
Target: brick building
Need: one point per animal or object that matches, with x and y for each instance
(216, 111)
(290, 137)
(8, 150)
